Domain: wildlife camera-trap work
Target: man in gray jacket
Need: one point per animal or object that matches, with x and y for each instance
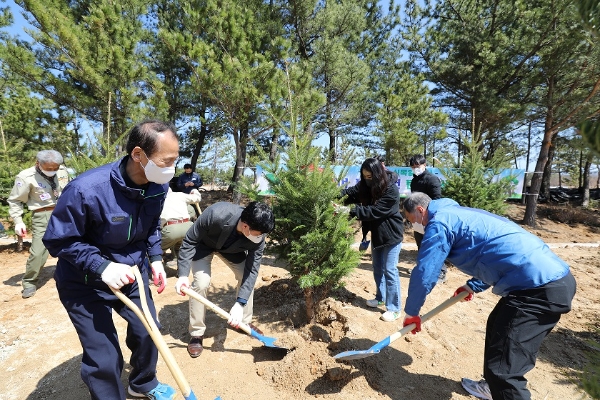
(237, 235)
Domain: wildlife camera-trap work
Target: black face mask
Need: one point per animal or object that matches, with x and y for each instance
(369, 182)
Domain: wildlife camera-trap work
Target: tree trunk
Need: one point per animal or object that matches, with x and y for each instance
(204, 132)
(274, 140)
(240, 138)
(310, 307)
(586, 182)
(546, 177)
(536, 180)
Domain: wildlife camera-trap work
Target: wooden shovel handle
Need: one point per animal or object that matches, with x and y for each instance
(214, 307)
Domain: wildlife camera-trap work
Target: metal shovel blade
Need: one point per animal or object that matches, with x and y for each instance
(267, 341)
(357, 354)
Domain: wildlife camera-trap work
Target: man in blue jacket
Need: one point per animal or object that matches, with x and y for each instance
(189, 180)
(535, 285)
(106, 221)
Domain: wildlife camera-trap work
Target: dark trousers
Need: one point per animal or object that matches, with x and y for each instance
(515, 331)
(418, 239)
(102, 363)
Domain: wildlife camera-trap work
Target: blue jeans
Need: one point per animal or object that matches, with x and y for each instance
(386, 275)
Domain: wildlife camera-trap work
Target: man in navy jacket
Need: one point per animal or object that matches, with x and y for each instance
(106, 221)
(535, 285)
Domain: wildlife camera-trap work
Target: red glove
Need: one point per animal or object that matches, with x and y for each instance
(464, 289)
(413, 320)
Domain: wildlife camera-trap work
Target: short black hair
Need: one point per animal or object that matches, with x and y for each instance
(145, 135)
(417, 159)
(186, 166)
(259, 217)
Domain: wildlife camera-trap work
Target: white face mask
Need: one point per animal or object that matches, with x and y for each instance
(418, 227)
(418, 171)
(156, 174)
(49, 174)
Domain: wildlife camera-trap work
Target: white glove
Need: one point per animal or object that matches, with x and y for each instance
(181, 282)
(117, 275)
(196, 195)
(236, 315)
(159, 275)
(21, 229)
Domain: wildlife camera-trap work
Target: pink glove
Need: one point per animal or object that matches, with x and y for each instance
(413, 320)
(464, 288)
(159, 275)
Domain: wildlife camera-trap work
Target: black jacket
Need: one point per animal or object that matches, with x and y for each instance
(427, 183)
(383, 218)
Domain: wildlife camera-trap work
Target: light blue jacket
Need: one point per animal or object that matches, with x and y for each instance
(492, 249)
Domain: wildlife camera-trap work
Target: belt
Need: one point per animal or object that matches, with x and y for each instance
(177, 221)
(49, 208)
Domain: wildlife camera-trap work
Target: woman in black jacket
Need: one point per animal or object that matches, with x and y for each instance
(378, 208)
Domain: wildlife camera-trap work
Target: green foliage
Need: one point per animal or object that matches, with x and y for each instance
(474, 185)
(590, 377)
(97, 151)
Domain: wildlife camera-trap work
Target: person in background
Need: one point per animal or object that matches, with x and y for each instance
(237, 234)
(425, 182)
(189, 180)
(3, 233)
(376, 206)
(175, 219)
(106, 221)
(38, 188)
(535, 285)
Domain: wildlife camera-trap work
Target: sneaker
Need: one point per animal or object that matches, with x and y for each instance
(28, 292)
(161, 392)
(374, 303)
(442, 278)
(390, 316)
(478, 389)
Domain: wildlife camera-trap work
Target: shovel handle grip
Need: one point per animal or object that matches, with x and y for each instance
(224, 314)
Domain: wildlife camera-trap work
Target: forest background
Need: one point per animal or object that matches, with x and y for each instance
(374, 78)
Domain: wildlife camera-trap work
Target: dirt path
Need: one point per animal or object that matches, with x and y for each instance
(40, 352)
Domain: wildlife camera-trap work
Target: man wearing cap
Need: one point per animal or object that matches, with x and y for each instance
(38, 188)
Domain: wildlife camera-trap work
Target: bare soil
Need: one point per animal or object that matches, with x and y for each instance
(40, 353)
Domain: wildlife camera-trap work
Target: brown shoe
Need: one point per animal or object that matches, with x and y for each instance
(195, 348)
(255, 329)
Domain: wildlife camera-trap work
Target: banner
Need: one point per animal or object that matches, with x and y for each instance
(405, 176)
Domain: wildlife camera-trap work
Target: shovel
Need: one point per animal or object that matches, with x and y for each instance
(376, 348)
(159, 341)
(267, 341)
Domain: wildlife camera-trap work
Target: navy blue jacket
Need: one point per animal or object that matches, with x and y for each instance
(184, 178)
(99, 219)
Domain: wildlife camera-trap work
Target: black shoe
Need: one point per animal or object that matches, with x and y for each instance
(194, 347)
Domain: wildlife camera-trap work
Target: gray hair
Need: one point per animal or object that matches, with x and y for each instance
(416, 199)
(49, 156)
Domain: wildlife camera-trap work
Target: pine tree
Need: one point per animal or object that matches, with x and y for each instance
(475, 183)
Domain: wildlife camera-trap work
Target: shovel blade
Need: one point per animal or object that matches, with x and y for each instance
(267, 341)
(356, 354)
